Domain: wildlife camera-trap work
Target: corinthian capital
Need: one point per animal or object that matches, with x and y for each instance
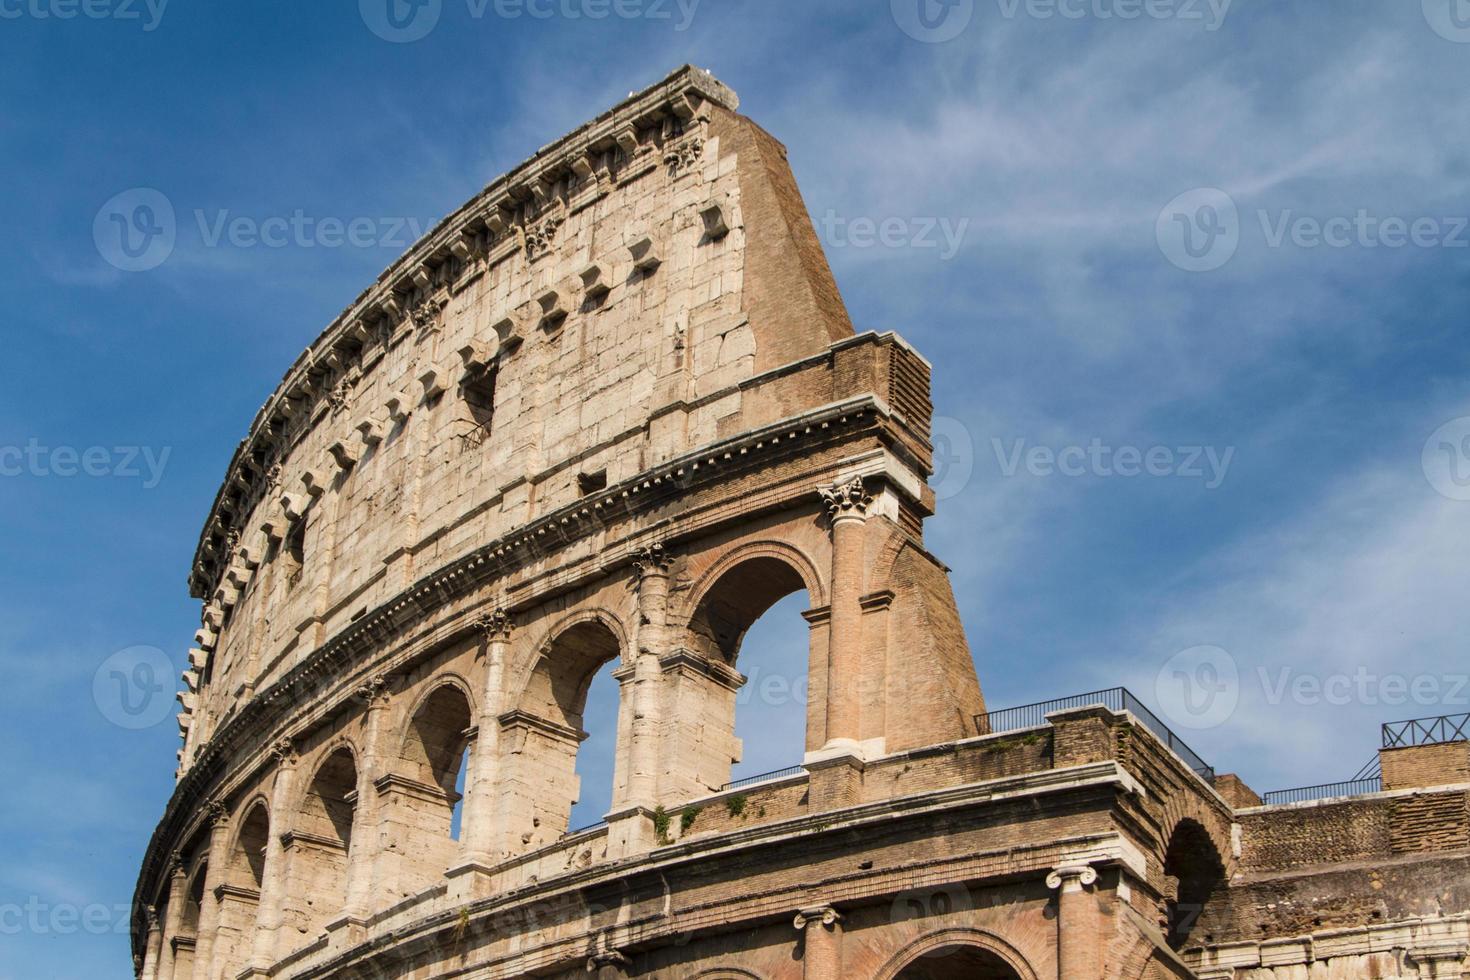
(652, 560)
(495, 625)
(848, 499)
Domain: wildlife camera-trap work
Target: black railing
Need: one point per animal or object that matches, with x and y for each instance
(599, 825)
(1426, 731)
(763, 777)
(1327, 791)
(1115, 699)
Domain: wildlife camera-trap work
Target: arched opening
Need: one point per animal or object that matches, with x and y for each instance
(417, 801)
(435, 750)
(958, 963)
(751, 619)
(239, 901)
(565, 783)
(323, 840)
(183, 943)
(1194, 873)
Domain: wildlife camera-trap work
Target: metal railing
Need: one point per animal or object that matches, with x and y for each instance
(763, 777)
(1426, 731)
(1327, 791)
(1115, 699)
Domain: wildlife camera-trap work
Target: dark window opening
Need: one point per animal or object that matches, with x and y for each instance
(479, 397)
(590, 483)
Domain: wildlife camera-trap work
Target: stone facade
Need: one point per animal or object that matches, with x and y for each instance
(609, 413)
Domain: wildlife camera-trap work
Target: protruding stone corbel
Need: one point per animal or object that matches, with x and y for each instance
(553, 309)
(480, 354)
(432, 381)
(644, 254)
(391, 308)
(198, 659)
(342, 455)
(421, 277)
(848, 500)
(397, 405)
(594, 284)
(206, 638)
(716, 224)
(627, 138)
(370, 430)
(826, 915)
(314, 482)
(463, 246)
(293, 506)
(191, 680)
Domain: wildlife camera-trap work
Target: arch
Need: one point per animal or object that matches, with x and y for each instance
(958, 954)
(547, 724)
(246, 867)
(1193, 873)
(435, 737)
(727, 973)
(739, 589)
(789, 554)
(322, 838)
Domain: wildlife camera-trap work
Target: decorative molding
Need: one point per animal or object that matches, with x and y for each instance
(825, 914)
(656, 559)
(1084, 875)
(848, 500)
(495, 625)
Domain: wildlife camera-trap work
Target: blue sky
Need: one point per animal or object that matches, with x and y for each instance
(1021, 188)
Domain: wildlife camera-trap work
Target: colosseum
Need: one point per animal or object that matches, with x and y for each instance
(607, 414)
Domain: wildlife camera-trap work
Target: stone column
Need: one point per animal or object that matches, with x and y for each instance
(638, 785)
(178, 898)
(847, 507)
(478, 833)
(272, 912)
(153, 950)
(652, 644)
(214, 877)
(362, 850)
(1078, 943)
(821, 929)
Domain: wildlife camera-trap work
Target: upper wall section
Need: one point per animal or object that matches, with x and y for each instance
(567, 328)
